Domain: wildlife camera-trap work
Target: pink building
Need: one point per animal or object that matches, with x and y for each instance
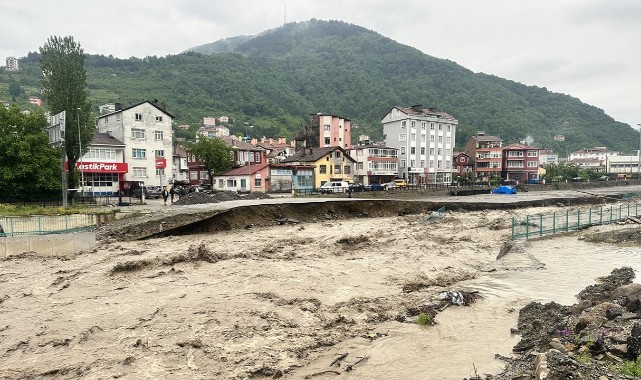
(332, 130)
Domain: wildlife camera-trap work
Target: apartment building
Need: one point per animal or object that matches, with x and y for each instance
(520, 162)
(375, 163)
(12, 64)
(425, 141)
(487, 153)
(145, 129)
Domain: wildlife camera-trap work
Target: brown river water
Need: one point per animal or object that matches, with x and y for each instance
(467, 338)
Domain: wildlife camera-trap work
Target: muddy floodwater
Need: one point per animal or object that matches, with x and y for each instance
(286, 301)
(467, 338)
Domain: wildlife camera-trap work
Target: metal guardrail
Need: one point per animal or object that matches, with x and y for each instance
(46, 224)
(571, 220)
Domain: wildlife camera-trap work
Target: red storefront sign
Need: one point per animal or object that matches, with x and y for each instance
(102, 167)
(161, 163)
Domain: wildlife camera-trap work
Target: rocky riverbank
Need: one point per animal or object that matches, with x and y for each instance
(599, 337)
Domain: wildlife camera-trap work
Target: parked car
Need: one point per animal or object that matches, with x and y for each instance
(358, 187)
(577, 179)
(604, 178)
(400, 182)
(376, 187)
(150, 192)
(334, 187)
(205, 189)
(389, 185)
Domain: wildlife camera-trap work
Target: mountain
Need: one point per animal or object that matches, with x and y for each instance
(274, 80)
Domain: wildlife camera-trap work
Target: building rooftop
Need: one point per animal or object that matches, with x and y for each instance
(105, 139)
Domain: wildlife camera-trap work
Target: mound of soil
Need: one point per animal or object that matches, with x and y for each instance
(223, 196)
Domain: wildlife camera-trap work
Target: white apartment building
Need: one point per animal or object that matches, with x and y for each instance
(374, 163)
(425, 139)
(597, 153)
(12, 64)
(145, 129)
(547, 157)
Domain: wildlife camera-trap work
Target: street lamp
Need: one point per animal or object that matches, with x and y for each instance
(82, 176)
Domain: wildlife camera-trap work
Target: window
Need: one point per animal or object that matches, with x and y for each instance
(158, 135)
(440, 151)
(100, 154)
(221, 183)
(515, 153)
(160, 153)
(327, 141)
(204, 175)
(440, 139)
(432, 126)
(100, 179)
(440, 127)
(193, 175)
(327, 127)
(422, 163)
(140, 172)
(403, 123)
(413, 124)
(158, 119)
(423, 124)
(337, 169)
(323, 169)
(359, 166)
(431, 138)
(448, 139)
(439, 164)
(532, 164)
(402, 150)
(412, 150)
(413, 137)
(449, 128)
(431, 151)
(138, 117)
(412, 163)
(359, 152)
(402, 163)
(423, 137)
(402, 137)
(347, 169)
(337, 154)
(138, 153)
(422, 150)
(160, 171)
(137, 133)
(532, 153)
(257, 182)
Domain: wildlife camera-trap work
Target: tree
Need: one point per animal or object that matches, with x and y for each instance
(14, 90)
(213, 153)
(64, 83)
(29, 168)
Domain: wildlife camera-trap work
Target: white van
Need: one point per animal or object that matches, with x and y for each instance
(334, 187)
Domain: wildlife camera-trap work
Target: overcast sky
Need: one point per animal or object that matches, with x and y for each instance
(590, 49)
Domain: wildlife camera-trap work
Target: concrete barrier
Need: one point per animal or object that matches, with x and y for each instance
(47, 245)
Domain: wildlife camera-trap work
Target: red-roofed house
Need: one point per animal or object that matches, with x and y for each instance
(246, 178)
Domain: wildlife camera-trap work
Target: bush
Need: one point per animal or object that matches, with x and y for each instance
(424, 319)
(630, 368)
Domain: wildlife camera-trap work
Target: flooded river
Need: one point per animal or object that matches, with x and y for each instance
(467, 338)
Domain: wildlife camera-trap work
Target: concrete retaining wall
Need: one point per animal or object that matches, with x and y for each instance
(47, 245)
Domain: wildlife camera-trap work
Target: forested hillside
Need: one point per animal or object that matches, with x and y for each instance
(273, 81)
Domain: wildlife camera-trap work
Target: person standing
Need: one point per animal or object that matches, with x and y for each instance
(172, 192)
(165, 195)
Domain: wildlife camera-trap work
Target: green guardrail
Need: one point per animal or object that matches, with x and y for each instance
(571, 220)
(46, 224)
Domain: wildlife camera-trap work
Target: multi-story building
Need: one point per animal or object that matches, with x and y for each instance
(520, 163)
(548, 157)
(209, 121)
(103, 166)
(213, 131)
(625, 166)
(180, 169)
(425, 139)
(487, 153)
(332, 130)
(597, 153)
(12, 64)
(330, 164)
(223, 119)
(36, 101)
(375, 163)
(145, 129)
(277, 150)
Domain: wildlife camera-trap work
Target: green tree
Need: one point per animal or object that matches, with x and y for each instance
(213, 153)
(64, 82)
(29, 168)
(14, 90)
